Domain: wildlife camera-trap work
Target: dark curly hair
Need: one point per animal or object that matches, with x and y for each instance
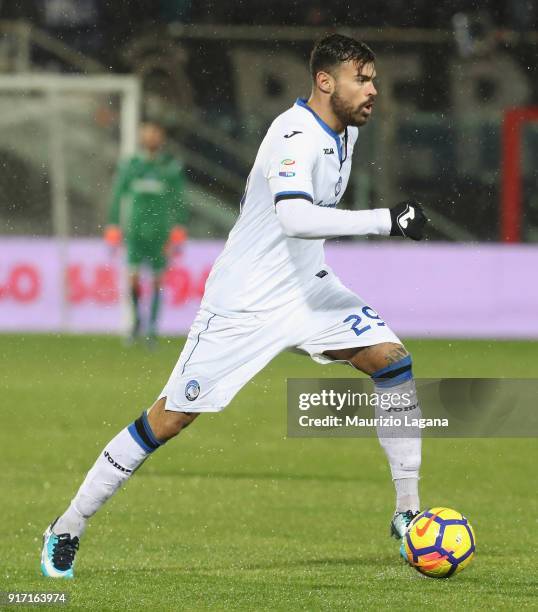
(336, 49)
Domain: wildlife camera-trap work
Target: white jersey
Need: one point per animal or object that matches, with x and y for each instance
(261, 268)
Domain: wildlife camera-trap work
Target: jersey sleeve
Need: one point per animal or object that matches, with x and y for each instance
(290, 167)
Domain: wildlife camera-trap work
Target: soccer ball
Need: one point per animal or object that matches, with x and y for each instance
(439, 542)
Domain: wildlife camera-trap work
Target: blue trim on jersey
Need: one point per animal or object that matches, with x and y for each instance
(302, 102)
(136, 437)
(299, 194)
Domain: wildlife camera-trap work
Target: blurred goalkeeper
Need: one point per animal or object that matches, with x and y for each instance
(149, 213)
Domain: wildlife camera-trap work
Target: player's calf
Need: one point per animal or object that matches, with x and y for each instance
(120, 458)
(402, 444)
(390, 367)
(166, 424)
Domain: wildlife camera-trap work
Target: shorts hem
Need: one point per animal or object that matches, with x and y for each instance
(318, 357)
(175, 407)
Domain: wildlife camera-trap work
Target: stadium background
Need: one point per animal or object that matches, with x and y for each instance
(76, 77)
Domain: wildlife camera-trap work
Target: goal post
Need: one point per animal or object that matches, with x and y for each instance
(64, 134)
(512, 175)
(55, 89)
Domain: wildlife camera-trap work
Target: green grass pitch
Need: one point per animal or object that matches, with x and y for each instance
(232, 514)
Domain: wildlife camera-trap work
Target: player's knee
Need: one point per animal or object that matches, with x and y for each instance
(375, 358)
(394, 368)
(390, 356)
(393, 352)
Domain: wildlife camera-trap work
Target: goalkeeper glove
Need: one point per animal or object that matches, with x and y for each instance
(408, 220)
(112, 236)
(176, 239)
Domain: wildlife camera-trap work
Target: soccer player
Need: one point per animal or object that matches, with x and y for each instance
(270, 289)
(147, 208)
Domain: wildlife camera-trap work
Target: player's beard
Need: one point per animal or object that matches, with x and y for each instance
(345, 112)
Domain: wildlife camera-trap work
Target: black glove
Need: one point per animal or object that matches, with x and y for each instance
(408, 220)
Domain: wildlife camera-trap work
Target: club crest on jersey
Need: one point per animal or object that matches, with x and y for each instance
(338, 187)
(286, 167)
(192, 390)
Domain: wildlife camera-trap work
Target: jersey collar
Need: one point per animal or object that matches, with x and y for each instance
(302, 102)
